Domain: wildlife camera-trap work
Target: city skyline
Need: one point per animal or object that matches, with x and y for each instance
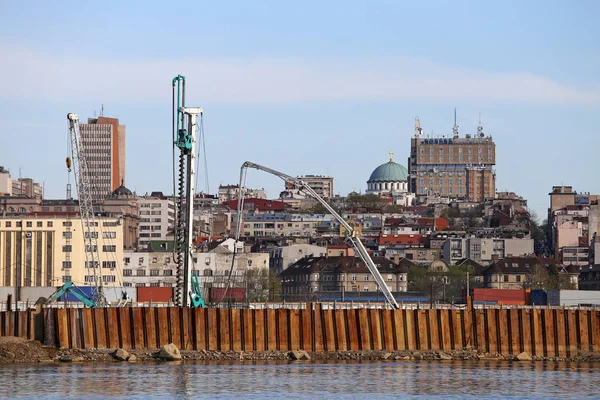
(330, 100)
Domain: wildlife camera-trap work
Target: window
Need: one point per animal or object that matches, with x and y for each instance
(140, 285)
(93, 248)
(67, 223)
(127, 272)
(67, 248)
(390, 277)
(67, 235)
(154, 272)
(505, 278)
(109, 235)
(154, 284)
(366, 277)
(127, 260)
(66, 264)
(140, 272)
(167, 260)
(109, 248)
(127, 284)
(518, 278)
(19, 224)
(168, 272)
(90, 278)
(109, 264)
(66, 278)
(29, 224)
(154, 259)
(109, 278)
(91, 235)
(90, 264)
(8, 224)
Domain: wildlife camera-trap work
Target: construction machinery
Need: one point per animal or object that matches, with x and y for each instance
(86, 210)
(184, 139)
(70, 289)
(350, 232)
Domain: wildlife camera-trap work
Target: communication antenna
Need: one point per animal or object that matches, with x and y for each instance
(102, 110)
(455, 127)
(480, 128)
(418, 129)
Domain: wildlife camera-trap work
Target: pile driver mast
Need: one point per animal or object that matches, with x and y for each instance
(350, 233)
(80, 168)
(184, 138)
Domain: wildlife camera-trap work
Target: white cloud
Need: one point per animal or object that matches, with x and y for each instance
(31, 74)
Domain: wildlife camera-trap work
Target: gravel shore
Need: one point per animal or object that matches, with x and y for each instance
(17, 350)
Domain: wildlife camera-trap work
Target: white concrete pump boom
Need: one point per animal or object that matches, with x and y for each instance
(351, 234)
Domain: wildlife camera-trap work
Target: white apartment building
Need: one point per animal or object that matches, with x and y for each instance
(231, 192)
(481, 250)
(149, 269)
(157, 216)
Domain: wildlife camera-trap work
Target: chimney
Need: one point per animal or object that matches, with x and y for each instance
(495, 258)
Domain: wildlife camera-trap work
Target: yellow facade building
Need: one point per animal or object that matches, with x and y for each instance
(40, 251)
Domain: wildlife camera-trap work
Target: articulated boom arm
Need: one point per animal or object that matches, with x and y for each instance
(69, 288)
(351, 234)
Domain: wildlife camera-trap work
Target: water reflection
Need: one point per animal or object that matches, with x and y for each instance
(455, 379)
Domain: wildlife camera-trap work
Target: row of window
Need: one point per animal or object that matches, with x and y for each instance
(152, 284)
(105, 248)
(28, 224)
(451, 159)
(142, 272)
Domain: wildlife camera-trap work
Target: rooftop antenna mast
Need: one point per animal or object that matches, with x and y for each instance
(102, 110)
(480, 128)
(455, 127)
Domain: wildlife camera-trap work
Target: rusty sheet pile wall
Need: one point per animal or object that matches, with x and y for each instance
(544, 332)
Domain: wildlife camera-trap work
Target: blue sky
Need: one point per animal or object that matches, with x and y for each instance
(307, 87)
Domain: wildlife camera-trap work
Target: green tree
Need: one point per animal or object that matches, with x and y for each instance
(262, 285)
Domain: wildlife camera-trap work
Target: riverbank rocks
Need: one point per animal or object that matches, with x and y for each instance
(121, 355)
(299, 355)
(169, 352)
(524, 356)
(444, 356)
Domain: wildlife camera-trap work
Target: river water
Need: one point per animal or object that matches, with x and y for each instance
(303, 380)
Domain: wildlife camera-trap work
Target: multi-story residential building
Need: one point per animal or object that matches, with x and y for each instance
(49, 251)
(155, 267)
(527, 272)
(453, 167)
(285, 225)
(103, 143)
(20, 187)
(282, 257)
(316, 277)
(157, 217)
(484, 250)
(231, 192)
(27, 187)
(323, 185)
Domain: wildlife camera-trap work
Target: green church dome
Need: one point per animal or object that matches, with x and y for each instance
(390, 171)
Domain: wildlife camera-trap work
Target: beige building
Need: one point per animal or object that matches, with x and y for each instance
(323, 185)
(50, 251)
(103, 142)
(157, 217)
(484, 250)
(453, 166)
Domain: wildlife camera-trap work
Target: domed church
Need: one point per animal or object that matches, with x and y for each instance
(390, 180)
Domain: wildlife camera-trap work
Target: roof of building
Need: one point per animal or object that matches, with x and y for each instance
(161, 245)
(405, 239)
(122, 191)
(389, 172)
(257, 204)
(346, 264)
(477, 268)
(525, 265)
